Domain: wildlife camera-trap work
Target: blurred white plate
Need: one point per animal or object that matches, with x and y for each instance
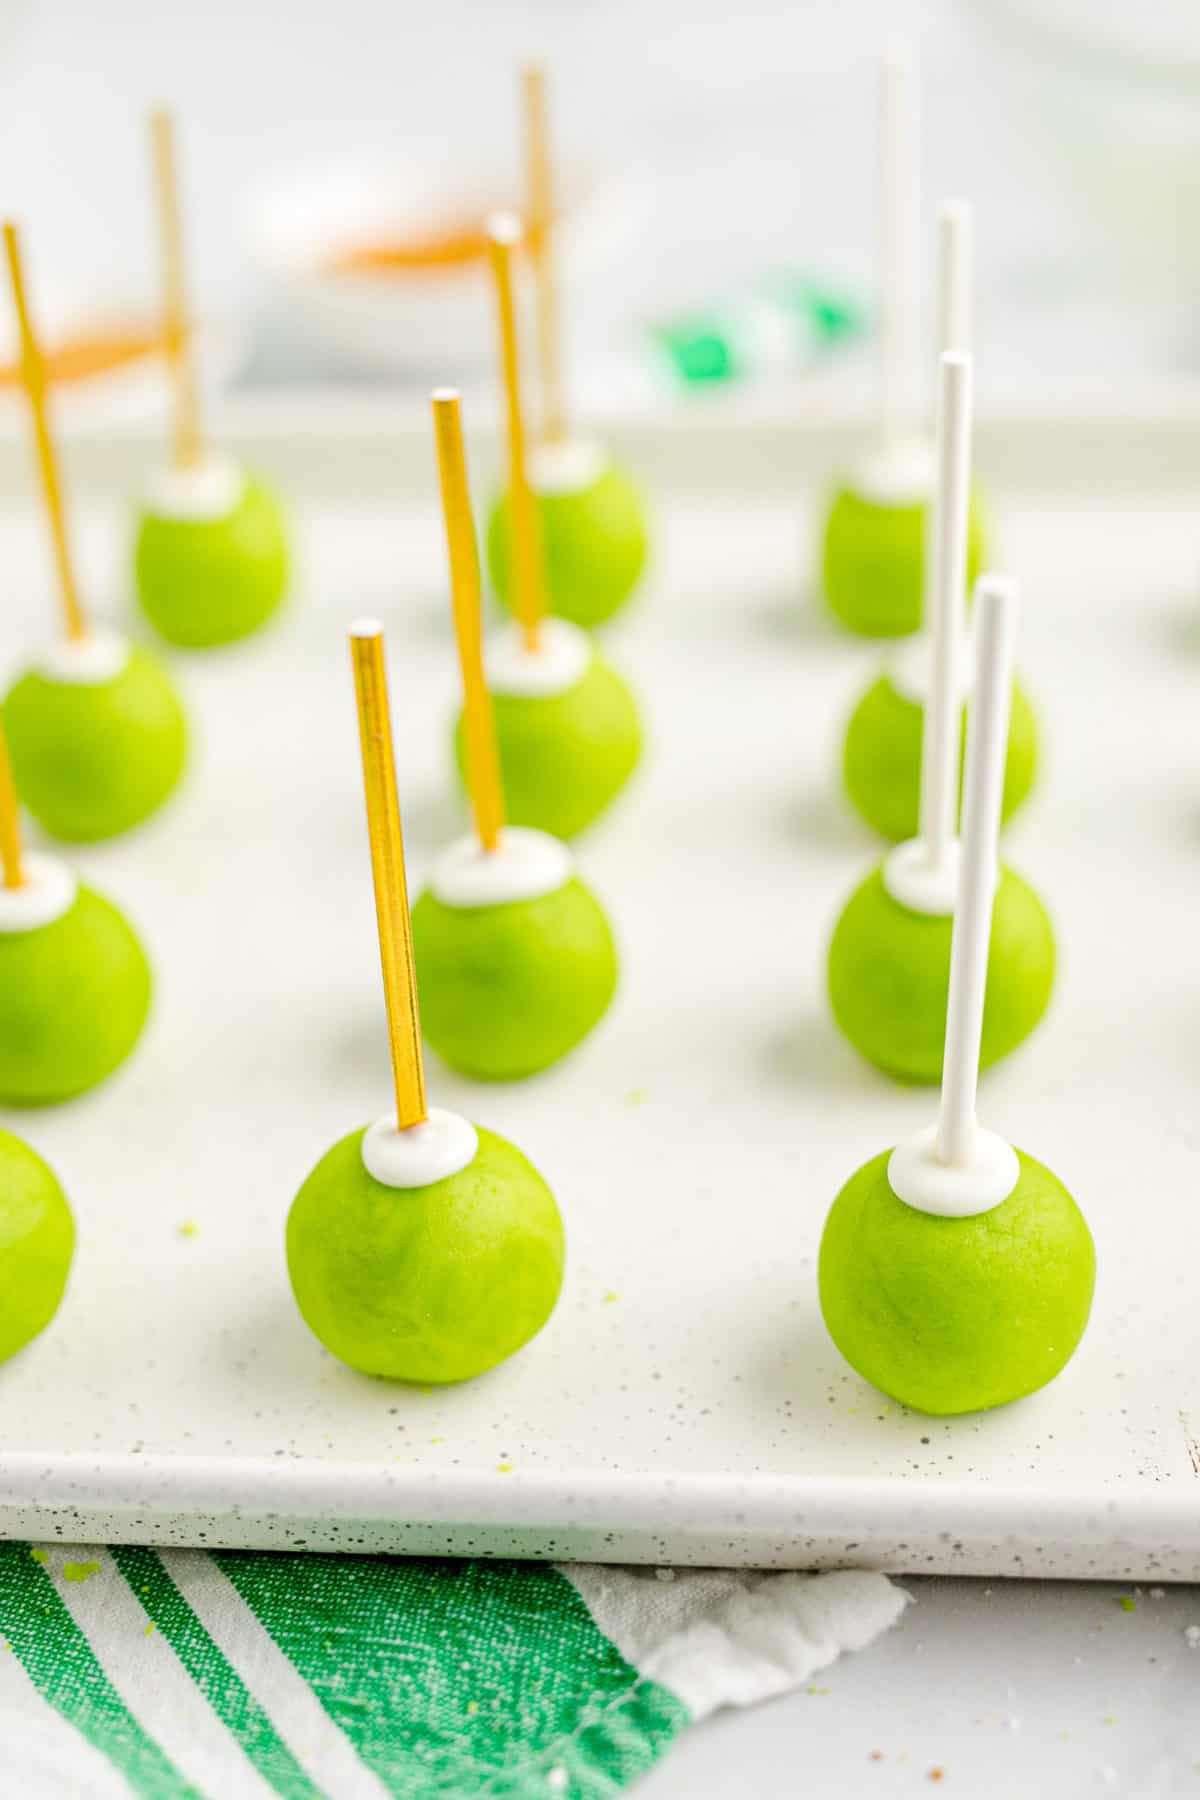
(298, 220)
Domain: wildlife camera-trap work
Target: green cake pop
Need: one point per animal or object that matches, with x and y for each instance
(889, 958)
(74, 980)
(591, 517)
(567, 725)
(514, 955)
(96, 731)
(956, 1273)
(872, 558)
(37, 1241)
(422, 1248)
(593, 529)
(881, 763)
(211, 555)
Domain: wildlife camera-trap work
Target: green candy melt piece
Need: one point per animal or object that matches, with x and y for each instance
(595, 543)
(37, 1241)
(427, 1284)
(954, 1315)
(204, 582)
(889, 977)
(873, 562)
(92, 759)
(74, 996)
(565, 757)
(881, 762)
(507, 990)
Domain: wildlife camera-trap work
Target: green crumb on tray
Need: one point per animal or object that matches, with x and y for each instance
(1127, 1603)
(504, 1468)
(149, 1628)
(637, 1096)
(79, 1571)
(39, 1556)
(189, 1228)
(610, 1296)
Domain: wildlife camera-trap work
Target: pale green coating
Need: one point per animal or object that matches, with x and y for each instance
(37, 1241)
(889, 977)
(429, 1284)
(565, 757)
(203, 582)
(74, 996)
(881, 762)
(873, 563)
(507, 990)
(93, 759)
(956, 1315)
(595, 541)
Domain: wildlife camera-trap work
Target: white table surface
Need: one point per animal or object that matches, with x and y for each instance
(1011, 1689)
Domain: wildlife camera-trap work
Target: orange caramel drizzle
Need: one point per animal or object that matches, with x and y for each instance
(90, 353)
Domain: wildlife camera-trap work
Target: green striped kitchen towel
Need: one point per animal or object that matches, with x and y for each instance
(235, 1675)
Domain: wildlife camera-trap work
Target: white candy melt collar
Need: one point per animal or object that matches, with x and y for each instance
(48, 891)
(976, 1186)
(910, 670)
(524, 865)
(84, 662)
(923, 887)
(559, 662)
(442, 1145)
(212, 490)
(896, 474)
(567, 468)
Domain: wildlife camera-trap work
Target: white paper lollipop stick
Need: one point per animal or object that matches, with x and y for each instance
(899, 224)
(940, 731)
(954, 276)
(987, 745)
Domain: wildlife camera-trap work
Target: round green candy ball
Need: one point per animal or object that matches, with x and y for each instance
(881, 762)
(595, 543)
(889, 977)
(427, 1284)
(507, 990)
(565, 757)
(37, 1240)
(955, 1315)
(74, 996)
(92, 759)
(873, 562)
(203, 582)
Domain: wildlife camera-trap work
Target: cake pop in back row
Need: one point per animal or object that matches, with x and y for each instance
(589, 514)
(873, 546)
(211, 556)
(95, 727)
(881, 761)
(567, 725)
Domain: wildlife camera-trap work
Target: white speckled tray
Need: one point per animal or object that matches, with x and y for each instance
(685, 1404)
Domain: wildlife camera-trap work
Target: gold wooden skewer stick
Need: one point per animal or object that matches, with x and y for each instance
(11, 862)
(539, 208)
(33, 376)
(483, 760)
(387, 869)
(188, 446)
(528, 567)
